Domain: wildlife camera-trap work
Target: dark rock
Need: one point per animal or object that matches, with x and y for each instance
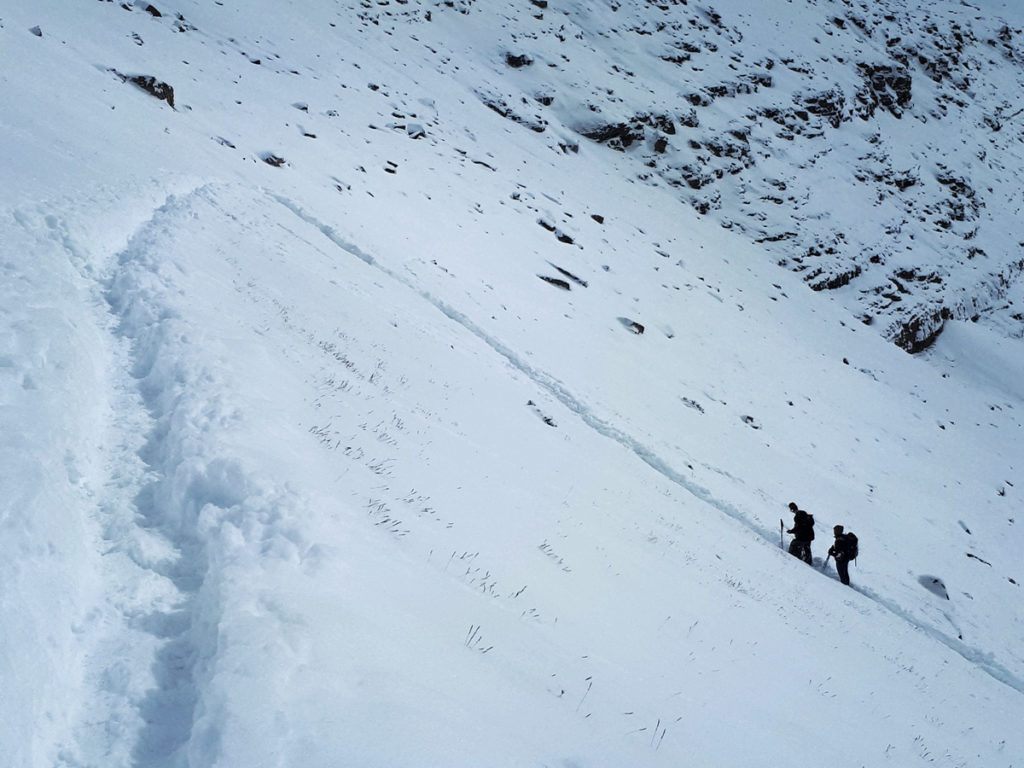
(661, 122)
(579, 281)
(38, 32)
(776, 238)
(618, 136)
(632, 325)
(152, 11)
(540, 414)
(689, 119)
(537, 123)
(271, 159)
(621, 136)
(695, 177)
(956, 184)
(518, 60)
(885, 86)
(557, 282)
(824, 280)
(904, 180)
(690, 403)
(760, 79)
(829, 105)
(919, 332)
(155, 88)
(597, 217)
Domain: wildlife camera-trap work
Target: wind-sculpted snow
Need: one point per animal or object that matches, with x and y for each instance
(421, 385)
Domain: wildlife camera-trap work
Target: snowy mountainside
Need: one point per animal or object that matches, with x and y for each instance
(787, 124)
(328, 437)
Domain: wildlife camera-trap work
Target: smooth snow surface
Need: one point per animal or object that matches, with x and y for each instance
(357, 458)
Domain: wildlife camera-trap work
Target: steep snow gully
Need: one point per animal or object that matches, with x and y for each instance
(558, 390)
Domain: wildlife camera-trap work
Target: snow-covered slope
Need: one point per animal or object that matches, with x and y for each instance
(328, 437)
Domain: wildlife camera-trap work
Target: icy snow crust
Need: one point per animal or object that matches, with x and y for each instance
(302, 464)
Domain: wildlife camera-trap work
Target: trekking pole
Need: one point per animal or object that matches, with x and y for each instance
(782, 539)
(825, 564)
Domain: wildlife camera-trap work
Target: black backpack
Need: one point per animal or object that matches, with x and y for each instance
(810, 526)
(851, 545)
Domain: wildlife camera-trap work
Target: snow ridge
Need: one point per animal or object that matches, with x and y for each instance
(983, 661)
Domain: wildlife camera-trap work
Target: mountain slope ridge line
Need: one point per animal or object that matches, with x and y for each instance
(555, 388)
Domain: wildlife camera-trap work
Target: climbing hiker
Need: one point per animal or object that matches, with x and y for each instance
(803, 533)
(844, 550)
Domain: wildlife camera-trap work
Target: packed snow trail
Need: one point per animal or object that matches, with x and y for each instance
(559, 391)
(162, 516)
(168, 709)
(140, 640)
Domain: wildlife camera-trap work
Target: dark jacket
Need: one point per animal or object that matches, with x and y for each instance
(844, 548)
(803, 526)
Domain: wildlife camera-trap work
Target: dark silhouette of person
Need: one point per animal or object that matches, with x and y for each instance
(803, 533)
(844, 550)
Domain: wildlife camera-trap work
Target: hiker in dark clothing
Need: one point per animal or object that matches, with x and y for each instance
(803, 533)
(844, 550)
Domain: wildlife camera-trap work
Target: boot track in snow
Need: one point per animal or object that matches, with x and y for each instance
(143, 668)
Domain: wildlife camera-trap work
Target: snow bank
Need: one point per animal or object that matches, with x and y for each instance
(52, 412)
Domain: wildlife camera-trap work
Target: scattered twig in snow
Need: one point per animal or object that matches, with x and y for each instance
(590, 684)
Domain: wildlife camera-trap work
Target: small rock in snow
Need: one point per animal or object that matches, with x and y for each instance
(632, 325)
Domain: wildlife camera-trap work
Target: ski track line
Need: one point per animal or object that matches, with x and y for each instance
(555, 388)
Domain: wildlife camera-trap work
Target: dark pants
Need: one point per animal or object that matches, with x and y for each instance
(843, 568)
(801, 549)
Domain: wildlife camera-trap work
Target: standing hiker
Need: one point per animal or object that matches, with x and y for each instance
(844, 550)
(803, 533)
